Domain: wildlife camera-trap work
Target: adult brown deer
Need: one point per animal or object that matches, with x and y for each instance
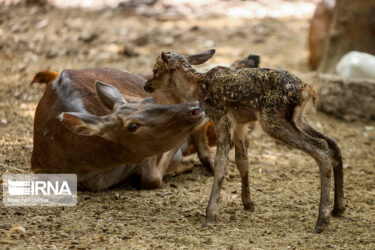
(103, 132)
(199, 140)
(233, 98)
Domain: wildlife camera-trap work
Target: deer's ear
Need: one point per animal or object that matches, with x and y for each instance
(87, 124)
(109, 95)
(164, 58)
(200, 57)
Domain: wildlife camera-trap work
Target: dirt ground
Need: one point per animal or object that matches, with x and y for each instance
(284, 183)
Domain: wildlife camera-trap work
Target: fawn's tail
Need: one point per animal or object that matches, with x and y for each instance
(308, 93)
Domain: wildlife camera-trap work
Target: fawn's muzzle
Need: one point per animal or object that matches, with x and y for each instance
(148, 87)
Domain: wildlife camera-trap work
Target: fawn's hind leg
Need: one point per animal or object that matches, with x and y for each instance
(285, 130)
(339, 206)
(242, 163)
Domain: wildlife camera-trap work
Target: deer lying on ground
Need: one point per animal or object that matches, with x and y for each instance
(233, 98)
(103, 132)
(200, 139)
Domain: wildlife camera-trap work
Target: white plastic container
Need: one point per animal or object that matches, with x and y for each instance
(356, 65)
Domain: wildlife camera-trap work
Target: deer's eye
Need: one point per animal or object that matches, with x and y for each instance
(133, 127)
(155, 71)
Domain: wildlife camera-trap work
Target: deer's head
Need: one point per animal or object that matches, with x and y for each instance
(144, 127)
(174, 72)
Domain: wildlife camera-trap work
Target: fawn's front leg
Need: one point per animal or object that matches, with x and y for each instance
(223, 128)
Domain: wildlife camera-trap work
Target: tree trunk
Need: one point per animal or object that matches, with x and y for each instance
(353, 28)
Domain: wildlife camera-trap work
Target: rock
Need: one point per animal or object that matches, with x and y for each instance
(347, 99)
(41, 24)
(88, 37)
(22, 67)
(142, 40)
(369, 128)
(194, 28)
(18, 229)
(117, 196)
(52, 53)
(207, 241)
(129, 51)
(168, 41)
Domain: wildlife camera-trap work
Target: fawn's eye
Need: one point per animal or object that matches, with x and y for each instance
(133, 127)
(155, 71)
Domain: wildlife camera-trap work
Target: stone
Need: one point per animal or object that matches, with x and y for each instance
(348, 99)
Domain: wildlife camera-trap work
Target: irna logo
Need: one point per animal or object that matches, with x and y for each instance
(38, 188)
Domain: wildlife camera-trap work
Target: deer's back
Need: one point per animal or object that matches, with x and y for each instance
(258, 87)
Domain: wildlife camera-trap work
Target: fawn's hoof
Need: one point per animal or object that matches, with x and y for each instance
(249, 206)
(321, 226)
(210, 219)
(337, 212)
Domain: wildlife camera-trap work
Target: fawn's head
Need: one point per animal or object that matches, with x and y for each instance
(144, 127)
(174, 72)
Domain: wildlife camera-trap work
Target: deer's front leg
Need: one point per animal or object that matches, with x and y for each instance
(223, 128)
(153, 172)
(205, 155)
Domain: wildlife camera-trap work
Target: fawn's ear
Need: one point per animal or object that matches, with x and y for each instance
(200, 57)
(164, 57)
(109, 95)
(87, 124)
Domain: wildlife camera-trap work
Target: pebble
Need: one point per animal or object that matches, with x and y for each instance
(88, 37)
(129, 51)
(42, 24)
(117, 196)
(168, 41)
(18, 229)
(142, 40)
(369, 128)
